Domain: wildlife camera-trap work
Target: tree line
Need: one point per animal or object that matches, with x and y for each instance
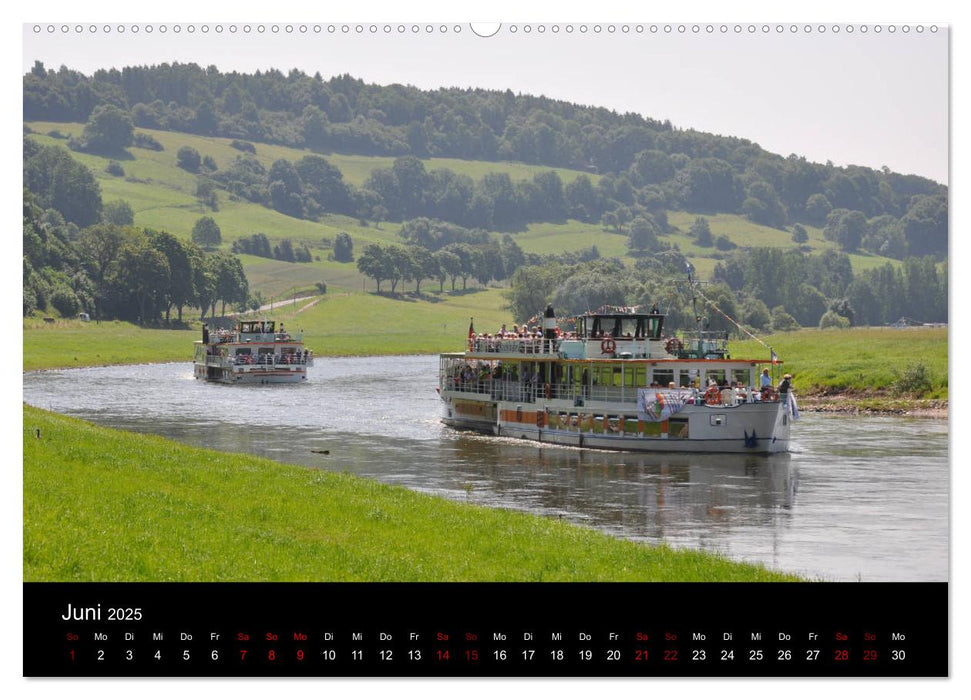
(82, 255)
(763, 289)
(437, 250)
(646, 163)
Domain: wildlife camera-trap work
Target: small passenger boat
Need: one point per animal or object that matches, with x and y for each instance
(252, 352)
(618, 383)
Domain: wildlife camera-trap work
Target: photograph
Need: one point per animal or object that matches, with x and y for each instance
(564, 315)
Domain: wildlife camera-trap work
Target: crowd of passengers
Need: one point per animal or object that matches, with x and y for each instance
(529, 339)
(476, 377)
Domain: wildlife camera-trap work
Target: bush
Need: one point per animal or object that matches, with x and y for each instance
(831, 319)
(322, 287)
(913, 380)
(245, 146)
(55, 134)
(209, 163)
(723, 243)
(148, 142)
(118, 212)
(302, 254)
(189, 159)
(114, 168)
(343, 248)
(206, 192)
(783, 321)
(66, 302)
(30, 301)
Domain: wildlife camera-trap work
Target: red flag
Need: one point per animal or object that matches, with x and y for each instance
(471, 329)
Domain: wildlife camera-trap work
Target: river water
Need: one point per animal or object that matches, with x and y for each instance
(859, 498)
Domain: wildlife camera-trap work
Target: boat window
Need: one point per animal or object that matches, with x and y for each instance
(715, 374)
(663, 377)
(684, 379)
(630, 425)
(613, 424)
(742, 376)
(598, 424)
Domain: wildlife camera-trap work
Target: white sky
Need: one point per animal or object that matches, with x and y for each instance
(861, 98)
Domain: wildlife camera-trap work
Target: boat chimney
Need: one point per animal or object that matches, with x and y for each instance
(549, 323)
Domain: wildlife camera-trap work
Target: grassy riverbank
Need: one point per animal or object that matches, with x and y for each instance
(868, 369)
(71, 343)
(106, 505)
(335, 324)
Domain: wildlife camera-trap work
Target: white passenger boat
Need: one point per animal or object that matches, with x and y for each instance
(618, 383)
(253, 352)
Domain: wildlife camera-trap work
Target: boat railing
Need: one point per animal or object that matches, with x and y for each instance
(525, 346)
(532, 391)
(297, 358)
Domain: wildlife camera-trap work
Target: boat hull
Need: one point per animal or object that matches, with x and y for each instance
(752, 428)
(250, 375)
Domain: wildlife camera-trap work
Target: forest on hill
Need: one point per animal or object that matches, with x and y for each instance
(83, 254)
(646, 166)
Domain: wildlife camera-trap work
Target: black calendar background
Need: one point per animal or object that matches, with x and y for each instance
(431, 630)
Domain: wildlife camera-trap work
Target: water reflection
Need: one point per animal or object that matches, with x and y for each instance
(858, 498)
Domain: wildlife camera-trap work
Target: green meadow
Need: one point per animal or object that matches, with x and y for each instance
(163, 197)
(71, 343)
(106, 505)
(333, 324)
(856, 360)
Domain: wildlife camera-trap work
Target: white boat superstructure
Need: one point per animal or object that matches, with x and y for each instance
(617, 383)
(252, 352)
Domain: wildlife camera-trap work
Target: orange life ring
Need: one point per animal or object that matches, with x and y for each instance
(673, 346)
(713, 396)
(608, 345)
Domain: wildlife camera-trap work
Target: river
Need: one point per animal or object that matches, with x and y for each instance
(858, 498)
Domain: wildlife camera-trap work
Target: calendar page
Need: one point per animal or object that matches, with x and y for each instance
(520, 349)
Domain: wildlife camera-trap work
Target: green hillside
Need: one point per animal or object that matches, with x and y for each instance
(162, 196)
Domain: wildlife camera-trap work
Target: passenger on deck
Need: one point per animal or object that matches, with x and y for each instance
(785, 384)
(765, 380)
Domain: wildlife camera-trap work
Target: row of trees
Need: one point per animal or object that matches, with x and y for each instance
(126, 273)
(437, 250)
(83, 255)
(258, 244)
